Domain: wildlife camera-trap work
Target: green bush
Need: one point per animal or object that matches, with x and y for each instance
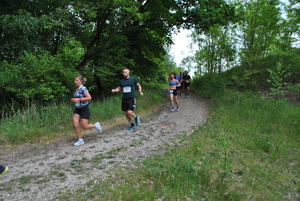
(210, 85)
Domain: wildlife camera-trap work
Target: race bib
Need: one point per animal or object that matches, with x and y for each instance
(170, 91)
(77, 104)
(127, 89)
(187, 81)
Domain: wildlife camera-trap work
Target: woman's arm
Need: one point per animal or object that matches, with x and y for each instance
(87, 97)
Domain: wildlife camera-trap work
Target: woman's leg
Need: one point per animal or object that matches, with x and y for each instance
(75, 121)
(176, 100)
(85, 124)
(172, 100)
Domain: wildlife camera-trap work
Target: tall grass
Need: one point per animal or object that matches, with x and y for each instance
(32, 124)
(248, 151)
(54, 122)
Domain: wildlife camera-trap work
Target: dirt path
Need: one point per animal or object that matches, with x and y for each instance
(40, 172)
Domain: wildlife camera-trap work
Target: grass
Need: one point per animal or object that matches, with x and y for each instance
(249, 150)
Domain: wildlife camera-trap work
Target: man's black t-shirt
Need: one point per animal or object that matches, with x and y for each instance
(128, 86)
(186, 77)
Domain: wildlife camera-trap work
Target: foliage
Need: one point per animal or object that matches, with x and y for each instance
(251, 43)
(36, 124)
(209, 85)
(70, 53)
(258, 34)
(95, 38)
(216, 50)
(37, 78)
(277, 79)
(245, 80)
(281, 76)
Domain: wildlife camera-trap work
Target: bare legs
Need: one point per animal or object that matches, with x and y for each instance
(84, 125)
(129, 115)
(173, 99)
(187, 92)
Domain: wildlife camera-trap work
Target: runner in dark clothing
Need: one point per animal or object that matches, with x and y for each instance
(127, 84)
(178, 77)
(186, 80)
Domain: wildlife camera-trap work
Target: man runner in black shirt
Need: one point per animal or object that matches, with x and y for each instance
(186, 78)
(127, 84)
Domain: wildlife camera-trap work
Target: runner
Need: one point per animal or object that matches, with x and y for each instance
(186, 78)
(82, 112)
(173, 83)
(127, 84)
(178, 77)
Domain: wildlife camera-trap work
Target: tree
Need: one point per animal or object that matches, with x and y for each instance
(108, 35)
(259, 29)
(216, 49)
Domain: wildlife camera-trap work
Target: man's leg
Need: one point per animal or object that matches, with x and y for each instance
(129, 115)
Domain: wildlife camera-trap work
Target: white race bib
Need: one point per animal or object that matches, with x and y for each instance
(170, 91)
(77, 104)
(187, 81)
(127, 89)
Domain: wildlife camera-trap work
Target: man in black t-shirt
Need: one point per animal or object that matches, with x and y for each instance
(127, 84)
(186, 78)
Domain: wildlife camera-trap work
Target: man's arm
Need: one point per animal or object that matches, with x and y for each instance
(140, 88)
(116, 89)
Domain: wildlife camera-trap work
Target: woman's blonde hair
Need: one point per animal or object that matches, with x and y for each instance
(83, 79)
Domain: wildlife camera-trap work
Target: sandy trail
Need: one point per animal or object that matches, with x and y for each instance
(40, 172)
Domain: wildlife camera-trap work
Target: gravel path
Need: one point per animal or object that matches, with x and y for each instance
(39, 172)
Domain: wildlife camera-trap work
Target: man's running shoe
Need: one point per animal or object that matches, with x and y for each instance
(98, 127)
(79, 142)
(4, 170)
(137, 120)
(178, 108)
(172, 109)
(131, 126)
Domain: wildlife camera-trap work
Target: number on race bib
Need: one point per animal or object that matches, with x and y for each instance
(127, 89)
(77, 104)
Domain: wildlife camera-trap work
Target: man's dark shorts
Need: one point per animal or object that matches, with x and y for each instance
(83, 112)
(186, 85)
(128, 104)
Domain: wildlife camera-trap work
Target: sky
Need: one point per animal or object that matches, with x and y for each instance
(181, 49)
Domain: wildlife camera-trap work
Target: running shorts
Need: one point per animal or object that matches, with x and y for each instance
(173, 91)
(128, 104)
(83, 112)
